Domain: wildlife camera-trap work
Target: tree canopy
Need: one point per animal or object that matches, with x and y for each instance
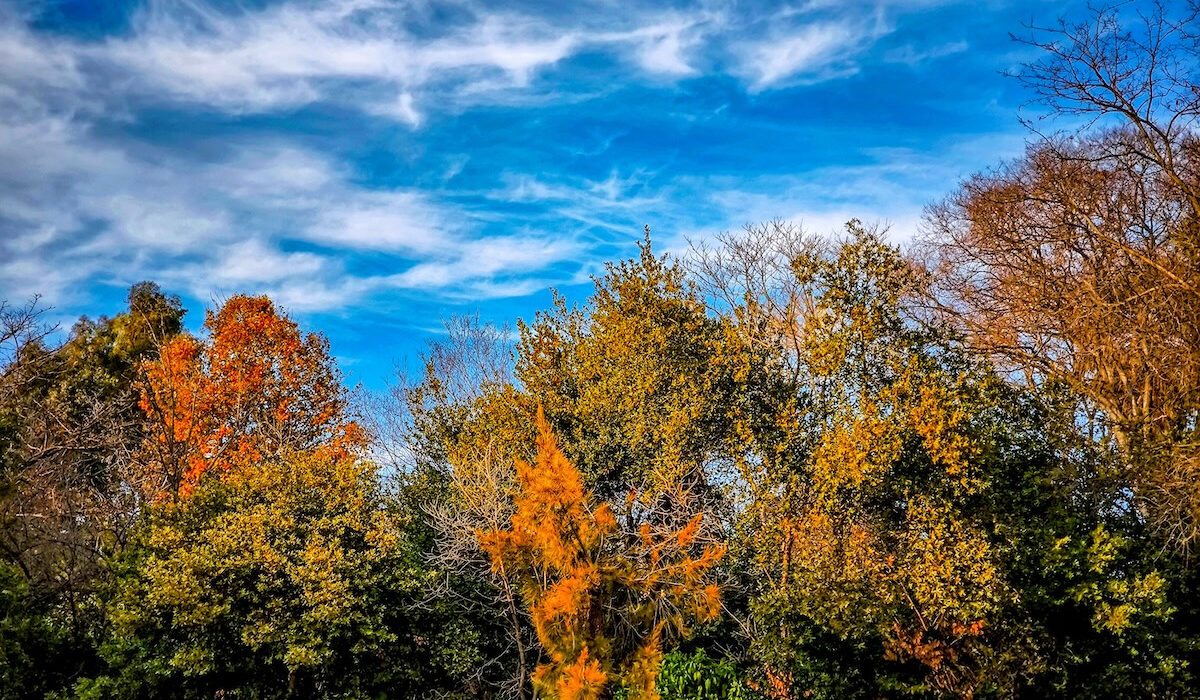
(777, 466)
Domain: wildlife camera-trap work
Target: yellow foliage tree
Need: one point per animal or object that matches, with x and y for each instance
(870, 532)
(284, 571)
(640, 383)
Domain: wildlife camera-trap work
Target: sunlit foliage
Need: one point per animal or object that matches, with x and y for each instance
(273, 582)
(639, 383)
(602, 601)
(257, 387)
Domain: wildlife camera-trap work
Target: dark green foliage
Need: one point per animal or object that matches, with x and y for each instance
(38, 653)
(698, 676)
(1101, 608)
(792, 650)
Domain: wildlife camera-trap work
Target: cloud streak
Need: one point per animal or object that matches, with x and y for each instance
(288, 55)
(391, 159)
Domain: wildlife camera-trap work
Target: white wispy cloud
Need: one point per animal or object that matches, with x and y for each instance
(810, 43)
(74, 210)
(294, 54)
(273, 214)
(287, 55)
(810, 52)
(485, 259)
(893, 187)
(261, 216)
(912, 55)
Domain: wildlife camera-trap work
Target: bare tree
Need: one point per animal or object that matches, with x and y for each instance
(426, 430)
(410, 422)
(1080, 263)
(56, 505)
(1133, 68)
(69, 430)
(748, 275)
(480, 499)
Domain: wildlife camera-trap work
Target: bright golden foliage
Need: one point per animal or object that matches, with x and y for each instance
(601, 599)
(278, 559)
(874, 534)
(637, 384)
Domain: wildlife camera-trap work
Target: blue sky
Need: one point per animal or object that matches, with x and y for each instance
(376, 166)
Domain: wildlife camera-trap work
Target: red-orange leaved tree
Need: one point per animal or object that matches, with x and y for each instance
(255, 387)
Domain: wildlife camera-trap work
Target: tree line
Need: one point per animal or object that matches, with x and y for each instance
(781, 466)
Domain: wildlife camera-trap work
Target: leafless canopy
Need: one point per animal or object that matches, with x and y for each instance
(749, 275)
(1081, 261)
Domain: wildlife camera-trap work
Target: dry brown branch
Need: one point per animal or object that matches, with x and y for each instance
(1080, 263)
(749, 275)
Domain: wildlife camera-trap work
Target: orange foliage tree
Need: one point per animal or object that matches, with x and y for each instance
(602, 600)
(256, 387)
